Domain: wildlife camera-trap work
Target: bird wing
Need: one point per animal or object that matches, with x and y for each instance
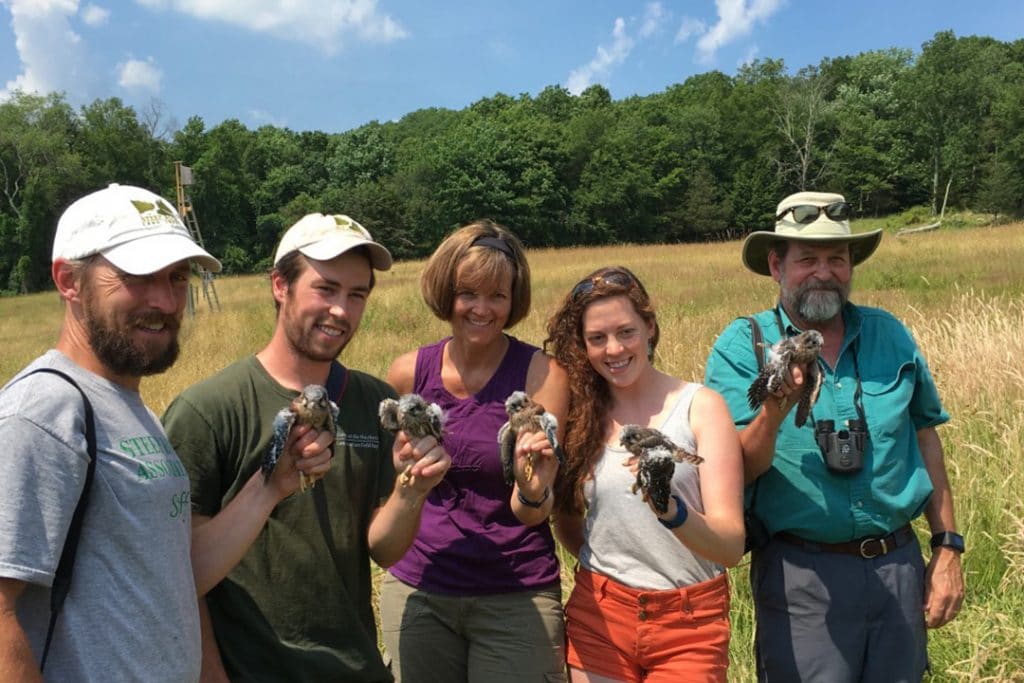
(549, 423)
(507, 448)
(435, 421)
(388, 413)
(282, 425)
(812, 387)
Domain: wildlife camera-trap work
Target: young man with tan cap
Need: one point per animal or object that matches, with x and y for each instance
(841, 592)
(288, 573)
(75, 429)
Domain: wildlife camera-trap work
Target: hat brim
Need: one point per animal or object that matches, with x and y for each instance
(150, 254)
(757, 245)
(335, 245)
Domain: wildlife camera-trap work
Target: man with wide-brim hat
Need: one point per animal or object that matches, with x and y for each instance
(815, 217)
(836, 570)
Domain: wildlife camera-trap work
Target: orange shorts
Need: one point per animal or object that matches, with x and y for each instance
(654, 636)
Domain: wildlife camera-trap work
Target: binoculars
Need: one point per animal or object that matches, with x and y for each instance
(843, 450)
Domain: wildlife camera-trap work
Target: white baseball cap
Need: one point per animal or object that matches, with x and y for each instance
(322, 238)
(134, 229)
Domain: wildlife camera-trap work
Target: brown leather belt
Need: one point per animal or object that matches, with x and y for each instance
(867, 547)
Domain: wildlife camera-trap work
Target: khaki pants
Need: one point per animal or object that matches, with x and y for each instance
(506, 638)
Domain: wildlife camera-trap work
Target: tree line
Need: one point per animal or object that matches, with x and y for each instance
(705, 158)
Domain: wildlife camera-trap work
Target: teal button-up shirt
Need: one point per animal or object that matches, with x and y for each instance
(799, 494)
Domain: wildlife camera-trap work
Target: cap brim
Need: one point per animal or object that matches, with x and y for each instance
(336, 245)
(150, 254)
(757, 245)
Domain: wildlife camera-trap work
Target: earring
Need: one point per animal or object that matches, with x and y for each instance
(650, 351)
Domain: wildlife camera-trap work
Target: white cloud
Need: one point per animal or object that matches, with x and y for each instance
(53, 57)
(325, 23)
(260, 117)
(611, 55)
(607, 56)
(654, 16)
(736, 18)
(94, 15)
(749, 57)
(690, 27)
(139, 76)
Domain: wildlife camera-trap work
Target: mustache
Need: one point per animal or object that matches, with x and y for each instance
(339, 324)
(816, 284)
(170, 322)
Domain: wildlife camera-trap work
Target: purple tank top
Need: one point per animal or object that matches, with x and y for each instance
(470, 542)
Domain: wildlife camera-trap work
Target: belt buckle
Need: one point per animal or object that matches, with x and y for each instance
(864, 551)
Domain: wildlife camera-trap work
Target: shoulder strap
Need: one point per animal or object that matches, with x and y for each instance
(758, 341)
(757, 338)
(337, 382)
(66, 565)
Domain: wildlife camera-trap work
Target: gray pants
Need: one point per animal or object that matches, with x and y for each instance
(837, 618)
(507, 638)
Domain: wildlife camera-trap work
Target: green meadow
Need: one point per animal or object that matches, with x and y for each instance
(959, 289)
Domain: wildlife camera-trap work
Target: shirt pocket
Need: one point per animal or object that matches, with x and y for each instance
(887, 397)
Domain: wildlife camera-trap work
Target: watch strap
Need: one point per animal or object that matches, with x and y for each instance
(948, 539)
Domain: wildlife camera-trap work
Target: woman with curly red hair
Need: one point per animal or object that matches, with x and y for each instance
(651, 600)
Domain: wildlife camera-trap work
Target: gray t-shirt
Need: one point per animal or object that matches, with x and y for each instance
(131, 611)
(623, 538)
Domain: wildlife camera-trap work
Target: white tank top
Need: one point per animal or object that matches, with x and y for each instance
(623, 538)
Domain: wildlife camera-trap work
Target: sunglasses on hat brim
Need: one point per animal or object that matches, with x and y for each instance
(808, 213)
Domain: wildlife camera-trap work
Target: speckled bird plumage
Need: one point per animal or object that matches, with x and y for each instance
(525, 415)
(801, 350)
(416, 417)
(311, 407)
(658, 456)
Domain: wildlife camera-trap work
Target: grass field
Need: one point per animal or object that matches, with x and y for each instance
(961, 291)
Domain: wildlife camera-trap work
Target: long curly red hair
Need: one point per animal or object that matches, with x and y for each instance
(589, 397)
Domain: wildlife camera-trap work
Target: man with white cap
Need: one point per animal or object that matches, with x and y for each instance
(841, 592)
(289, 575)
(87, 476)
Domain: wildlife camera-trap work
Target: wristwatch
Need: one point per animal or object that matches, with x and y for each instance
(949, 539)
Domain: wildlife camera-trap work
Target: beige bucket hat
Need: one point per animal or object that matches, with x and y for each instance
(823, 228)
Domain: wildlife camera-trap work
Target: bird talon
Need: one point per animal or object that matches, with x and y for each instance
(528, 467)
(407, 478)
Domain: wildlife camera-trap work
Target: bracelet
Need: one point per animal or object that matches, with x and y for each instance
(681, 514)
(533, 503)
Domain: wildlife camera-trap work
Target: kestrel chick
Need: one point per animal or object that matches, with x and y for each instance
(799, 350)
(414, 416)
(637, 439)
(311, 407)
(657, 464)
(525, 415)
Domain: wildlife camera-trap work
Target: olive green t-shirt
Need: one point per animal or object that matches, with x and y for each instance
(287, 611)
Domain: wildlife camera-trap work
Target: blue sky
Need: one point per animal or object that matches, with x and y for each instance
(333, 65)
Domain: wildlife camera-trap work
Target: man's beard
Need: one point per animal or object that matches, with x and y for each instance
(816, 301)
(302, 341)
(116, 350)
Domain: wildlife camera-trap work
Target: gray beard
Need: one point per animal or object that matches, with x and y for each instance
(818, 306)
(816, 301)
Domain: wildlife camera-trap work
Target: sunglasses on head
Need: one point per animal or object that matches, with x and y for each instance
(808, 213)
(614, 277)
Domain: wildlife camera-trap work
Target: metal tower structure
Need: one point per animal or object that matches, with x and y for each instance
(182, 179)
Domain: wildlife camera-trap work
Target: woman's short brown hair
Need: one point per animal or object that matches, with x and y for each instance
(493, 252)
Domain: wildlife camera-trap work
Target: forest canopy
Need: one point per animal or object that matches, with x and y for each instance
(705, 158)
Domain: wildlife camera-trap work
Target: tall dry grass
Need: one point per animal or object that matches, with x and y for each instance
(960, 292)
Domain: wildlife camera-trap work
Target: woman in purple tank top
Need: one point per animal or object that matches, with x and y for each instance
(477, 597)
